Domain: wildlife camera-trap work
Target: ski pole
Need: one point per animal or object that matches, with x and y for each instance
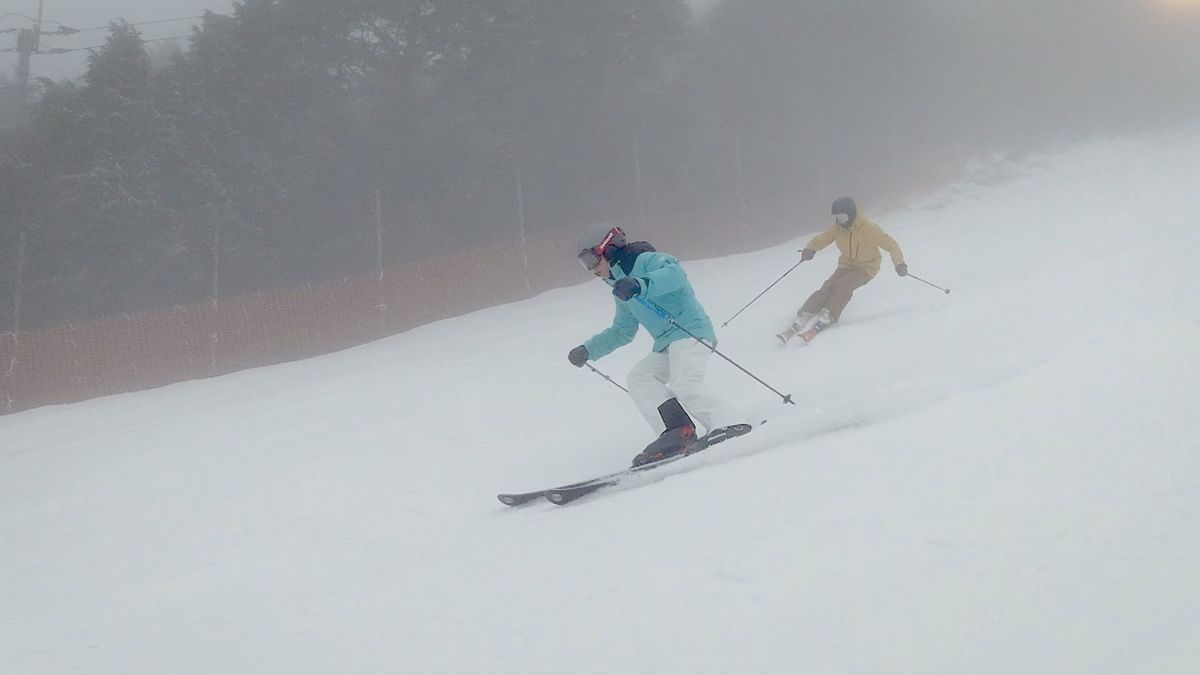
(944, 290)
(761, 294)
(653, 307)
(610, 380)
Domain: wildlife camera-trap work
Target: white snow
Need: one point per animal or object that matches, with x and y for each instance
(1005, 479)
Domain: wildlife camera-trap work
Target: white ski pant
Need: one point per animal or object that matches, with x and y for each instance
(677, 373)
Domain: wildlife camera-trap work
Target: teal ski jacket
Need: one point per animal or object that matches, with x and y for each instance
(663, 283)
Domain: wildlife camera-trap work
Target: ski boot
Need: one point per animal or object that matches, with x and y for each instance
(824, 320)
(679, 437)
(798, 326)
(670, 443)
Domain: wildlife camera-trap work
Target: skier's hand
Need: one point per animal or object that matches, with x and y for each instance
(627, 287)
(902, 269)
(578, 356)
(807, 254)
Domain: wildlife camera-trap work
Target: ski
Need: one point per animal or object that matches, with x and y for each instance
(519, 498)
(579, 489)
(570, 493)
(805, 335)
(566, 494)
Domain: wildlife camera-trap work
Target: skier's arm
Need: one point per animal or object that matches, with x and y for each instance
(620, 333)
(823, 239)
(663, 275)
(888, 244)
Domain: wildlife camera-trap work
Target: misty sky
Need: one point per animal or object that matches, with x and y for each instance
(768, 107)
(84, 14)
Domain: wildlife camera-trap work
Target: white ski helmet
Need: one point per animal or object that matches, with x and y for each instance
(596, 241)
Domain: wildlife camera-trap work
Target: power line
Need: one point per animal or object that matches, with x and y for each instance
(23, 16)
(64, 29)
(147, 23)
(32, 20)
(29, 39)
(67, 30)
(65, 50)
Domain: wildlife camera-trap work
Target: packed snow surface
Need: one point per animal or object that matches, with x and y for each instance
(1004, 479)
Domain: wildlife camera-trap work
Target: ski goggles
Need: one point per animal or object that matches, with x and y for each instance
(590, 257)
(842, 219)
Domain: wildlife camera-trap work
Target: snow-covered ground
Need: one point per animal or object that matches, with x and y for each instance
(1005, 479)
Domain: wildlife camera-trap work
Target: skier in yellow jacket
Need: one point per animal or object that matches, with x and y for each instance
(859, 240)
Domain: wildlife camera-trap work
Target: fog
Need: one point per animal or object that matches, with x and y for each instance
(91, 18)
(88, 15)
(881, 78)
(954, 492)
(323, 141)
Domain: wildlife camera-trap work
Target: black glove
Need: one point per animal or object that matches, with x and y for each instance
(626, 288)
(807, 254)
(902, 269)
(578, 356)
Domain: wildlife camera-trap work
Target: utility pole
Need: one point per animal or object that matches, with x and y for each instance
(37, 30)
(25, 47)
(28, 42)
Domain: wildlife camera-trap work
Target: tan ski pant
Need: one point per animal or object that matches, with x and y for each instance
(836, 292)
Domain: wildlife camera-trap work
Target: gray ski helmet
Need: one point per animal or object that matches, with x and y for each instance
(596, 240)
(844, 205)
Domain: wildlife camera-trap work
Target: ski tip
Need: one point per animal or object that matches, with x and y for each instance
(518, 499)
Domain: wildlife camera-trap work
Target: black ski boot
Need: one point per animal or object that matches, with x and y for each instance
(679, 437)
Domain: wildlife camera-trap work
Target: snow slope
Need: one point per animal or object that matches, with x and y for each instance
(1005, 479)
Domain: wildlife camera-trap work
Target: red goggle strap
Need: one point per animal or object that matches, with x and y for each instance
(600, 248)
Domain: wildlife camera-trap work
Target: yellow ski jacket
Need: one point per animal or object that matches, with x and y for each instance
(859, 244)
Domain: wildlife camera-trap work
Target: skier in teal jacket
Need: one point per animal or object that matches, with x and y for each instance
(668, 385)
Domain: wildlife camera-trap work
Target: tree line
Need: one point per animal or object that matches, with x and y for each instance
(286, 131)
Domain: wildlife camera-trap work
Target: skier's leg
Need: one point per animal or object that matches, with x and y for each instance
(807, 311)
(673, 415)
(845, 282)
(678, 436)
(688, 362)
(647, 384)
(818, 299)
